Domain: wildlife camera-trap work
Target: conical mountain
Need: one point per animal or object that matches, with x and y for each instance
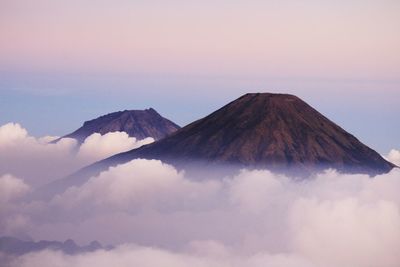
(274, 131)
(136, 123)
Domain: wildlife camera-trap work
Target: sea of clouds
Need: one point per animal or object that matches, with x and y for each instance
(155, 215)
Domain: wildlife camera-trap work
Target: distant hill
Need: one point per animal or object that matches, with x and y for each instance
(15, 246)
(136, 123)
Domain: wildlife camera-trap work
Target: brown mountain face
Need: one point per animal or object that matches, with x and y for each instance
(274, 131)
(136, 123)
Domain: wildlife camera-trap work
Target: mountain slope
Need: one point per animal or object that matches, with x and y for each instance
(137, 123)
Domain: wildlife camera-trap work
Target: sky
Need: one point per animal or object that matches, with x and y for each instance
(64, 62)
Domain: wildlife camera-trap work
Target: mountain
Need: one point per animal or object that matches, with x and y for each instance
(137, 123)
(279, 132)
(15, 246)
(273, 131)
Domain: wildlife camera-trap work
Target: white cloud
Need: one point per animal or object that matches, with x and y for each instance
(11, 188)
(394, 156)
(354, 233)
(47, 139)
(11, 133)
(253, 191)
(122, 256)
(254, 218)
(97, 146)
(136, 185)
(31, 159)
(356, 217)
(132, 255)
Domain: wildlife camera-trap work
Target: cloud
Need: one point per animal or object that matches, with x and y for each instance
(130, 255)
(156, 215)
(38, 162)
(355, 233)
(252, 218)
(252, 191)
(357, 217)
(32, 159)
(97, 146)
(11, 133)
(11, 188)
(136, 185)
(394, 156)
(35, 162)
(123, 256)
(47, 139)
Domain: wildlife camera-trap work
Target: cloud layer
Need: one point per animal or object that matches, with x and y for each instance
(254, 218)
(156, 215)
(394, 156)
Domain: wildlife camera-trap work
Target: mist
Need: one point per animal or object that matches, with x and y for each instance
(156, 215)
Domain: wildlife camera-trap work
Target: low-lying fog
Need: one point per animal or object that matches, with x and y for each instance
(155, 215)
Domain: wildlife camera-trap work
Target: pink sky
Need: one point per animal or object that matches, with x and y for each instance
(311, 39)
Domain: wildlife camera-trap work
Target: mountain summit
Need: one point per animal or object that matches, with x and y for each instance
(136, 123)
(274, 131)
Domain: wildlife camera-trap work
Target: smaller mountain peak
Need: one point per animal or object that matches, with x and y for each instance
(136, 123)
